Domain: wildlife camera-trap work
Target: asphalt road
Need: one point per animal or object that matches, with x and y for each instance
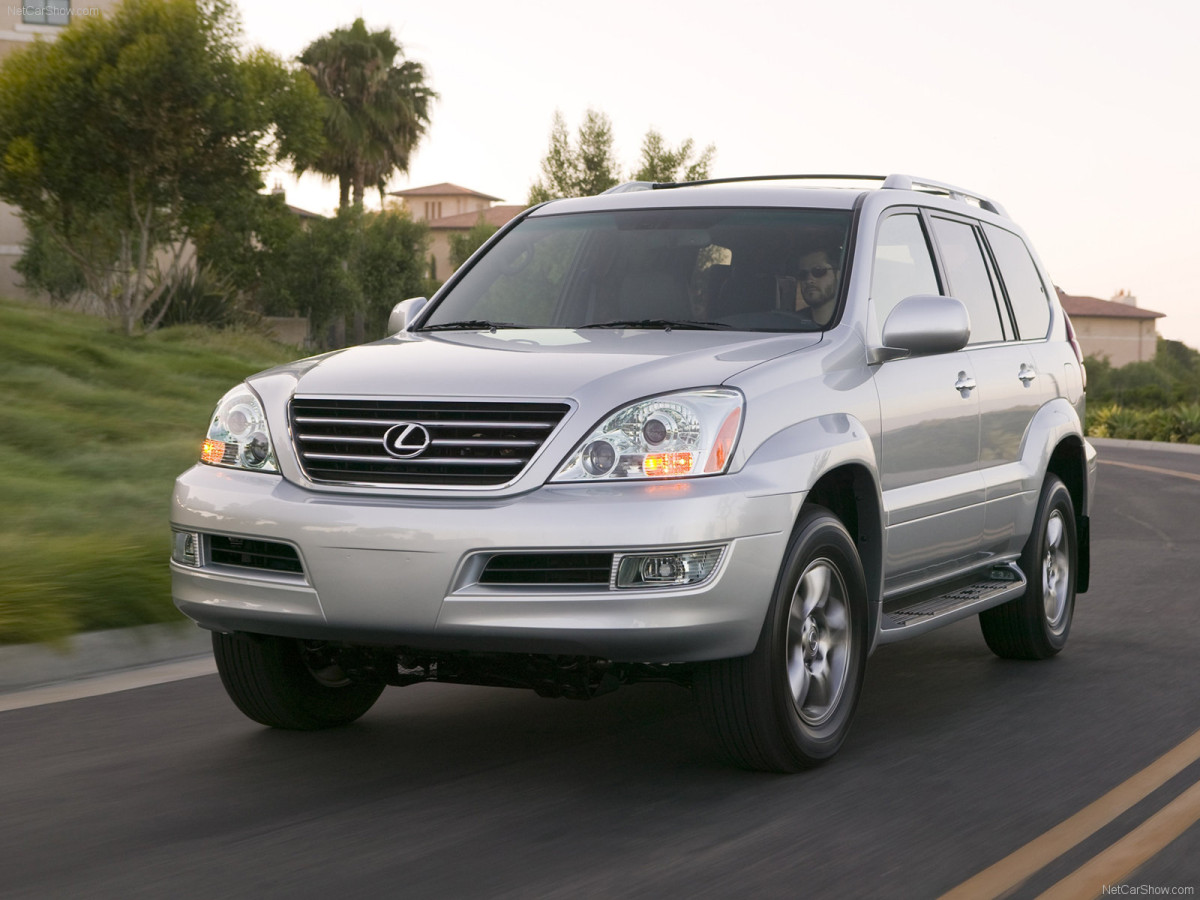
(957, 760)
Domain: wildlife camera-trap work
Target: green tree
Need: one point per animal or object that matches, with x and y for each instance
(660, 163)
(580, 169)
(132, 131)
(589, 166)
(356, 265)
(44, 266)
(245, 243)
(310, 274)
(1172, 376)
(376, 108)
(463, 245)
(389, 264)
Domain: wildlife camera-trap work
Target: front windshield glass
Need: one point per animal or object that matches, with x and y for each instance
(721, 268)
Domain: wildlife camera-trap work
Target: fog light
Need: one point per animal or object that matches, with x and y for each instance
(673, 568)
(186, 548)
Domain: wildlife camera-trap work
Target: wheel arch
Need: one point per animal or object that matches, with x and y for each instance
(851, 493)
(830, 461)
(1069, 462)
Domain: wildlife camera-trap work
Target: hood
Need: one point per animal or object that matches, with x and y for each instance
(541, 363)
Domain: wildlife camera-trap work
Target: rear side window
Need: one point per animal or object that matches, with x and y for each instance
(902, 264)
(1026, 292)
(970, 280)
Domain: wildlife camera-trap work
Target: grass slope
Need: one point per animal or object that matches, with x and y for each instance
(94, 427)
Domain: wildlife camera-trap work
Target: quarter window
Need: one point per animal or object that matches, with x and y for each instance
(1026, 292)
(902, 264)
(969, 278)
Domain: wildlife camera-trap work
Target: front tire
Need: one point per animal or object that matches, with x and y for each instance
(1036, 624)
(788, 706)
(276, 683)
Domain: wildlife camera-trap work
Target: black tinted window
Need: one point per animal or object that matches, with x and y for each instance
(1026, 293)
(969, 278)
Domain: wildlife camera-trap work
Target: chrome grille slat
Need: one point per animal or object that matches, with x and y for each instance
(340, 438)
(470, 443)
(388, 423)
(423, 461)
(479, 442)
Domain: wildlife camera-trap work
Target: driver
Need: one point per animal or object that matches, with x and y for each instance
(817, 280)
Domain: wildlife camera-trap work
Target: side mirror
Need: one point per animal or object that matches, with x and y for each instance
(922, 325)
(404, 312)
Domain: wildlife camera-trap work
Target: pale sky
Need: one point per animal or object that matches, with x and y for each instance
(1079, 117)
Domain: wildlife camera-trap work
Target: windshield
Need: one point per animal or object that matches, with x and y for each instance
(721, 268)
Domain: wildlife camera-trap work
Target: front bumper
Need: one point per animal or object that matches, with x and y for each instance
(388, 571)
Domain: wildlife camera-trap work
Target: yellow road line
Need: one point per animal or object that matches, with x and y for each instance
(1155, 469)
(1124, 857)
(1010, 872)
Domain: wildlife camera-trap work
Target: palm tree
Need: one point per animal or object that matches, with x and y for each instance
(375, 110)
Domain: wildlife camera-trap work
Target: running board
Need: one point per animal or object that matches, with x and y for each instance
(910, 616)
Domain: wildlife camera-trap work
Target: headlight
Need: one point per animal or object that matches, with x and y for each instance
(237, 436)
(672, 436)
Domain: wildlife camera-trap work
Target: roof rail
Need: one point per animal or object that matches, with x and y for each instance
(913, 183)
(666, 185)
(888, 182)
(626, 187)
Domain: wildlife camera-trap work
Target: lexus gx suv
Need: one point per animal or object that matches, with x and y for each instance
(730, 434)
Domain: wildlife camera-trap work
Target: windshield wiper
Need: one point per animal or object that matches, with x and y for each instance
(469, 325)
(666, 324)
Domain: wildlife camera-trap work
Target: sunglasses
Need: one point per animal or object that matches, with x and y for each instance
(815, 271)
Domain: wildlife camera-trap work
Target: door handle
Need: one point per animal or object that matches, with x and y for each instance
(1026, 374)
(965, 384)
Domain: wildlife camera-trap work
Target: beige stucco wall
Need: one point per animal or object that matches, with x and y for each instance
(428, 207)
(12, 234)
(439, 254)
(1123, 341)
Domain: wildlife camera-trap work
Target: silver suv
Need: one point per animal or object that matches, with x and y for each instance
(732, 434)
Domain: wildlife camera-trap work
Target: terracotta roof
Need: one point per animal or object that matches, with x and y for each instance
(1092, 307)
(493, 215)
(445, 189)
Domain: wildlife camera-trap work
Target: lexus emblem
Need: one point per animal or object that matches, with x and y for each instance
(406, 440)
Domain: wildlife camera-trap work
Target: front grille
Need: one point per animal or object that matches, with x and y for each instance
(469, 443)
(246, 553)
(548, 569)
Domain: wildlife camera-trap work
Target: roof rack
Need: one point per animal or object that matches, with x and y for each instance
(669, 185)
(887, 182)
(913, 183)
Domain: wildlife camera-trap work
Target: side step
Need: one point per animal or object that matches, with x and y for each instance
(916, 614)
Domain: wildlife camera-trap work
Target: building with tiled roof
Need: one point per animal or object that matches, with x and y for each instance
(449, 209)
(439, 201)
(1117, 329)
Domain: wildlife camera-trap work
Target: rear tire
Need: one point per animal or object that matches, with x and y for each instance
(788, 706)
(1036, 624)
(269, 680)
